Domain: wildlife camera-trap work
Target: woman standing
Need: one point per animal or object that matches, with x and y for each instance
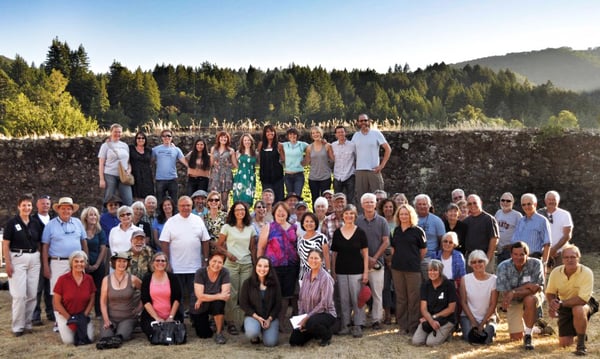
(294, 156)
(409, 247)
(453, 224)
(244, 183)
(387, 208)
(351, 265)
(277, 241)
(309, 241)
(235, 241)
(438, 303)
(319, 155)
(112, 152)
(212, 289)
(20, 246)
(73, 300)
(479, 297)
(119, 302)
(139, 212)
(316, 302)
(160, 295)
(215, 218)
(96, 242)
(119, 239)
(271, 156)
(199, 167)
(222, 162)
(260, 299)
(166, 210)
(140, 156)
(320, 207)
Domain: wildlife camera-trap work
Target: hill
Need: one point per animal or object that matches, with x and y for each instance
(577, 70)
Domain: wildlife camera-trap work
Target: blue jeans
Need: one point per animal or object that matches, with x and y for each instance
(166, 188)
(270, 336)
(113, 184)
(294, 182)
(489, 328)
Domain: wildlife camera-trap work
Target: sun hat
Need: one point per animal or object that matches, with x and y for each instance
(65, 201)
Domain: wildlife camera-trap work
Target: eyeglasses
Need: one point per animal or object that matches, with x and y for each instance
(240, 210)
(526, 204)
(160, 260)
(214, 200)
(447, 242)
(169, 136)
(506, 200)
(125, 214)
(457, 197)
(471, 203)
(479, 261)
(140, 138)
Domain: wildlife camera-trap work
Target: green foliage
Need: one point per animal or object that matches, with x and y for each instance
(565, 119)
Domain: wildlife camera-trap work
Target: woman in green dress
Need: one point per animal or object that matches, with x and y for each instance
(244, 182)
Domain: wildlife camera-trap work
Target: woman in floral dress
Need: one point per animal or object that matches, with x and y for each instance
(222, 160)
(244, 183)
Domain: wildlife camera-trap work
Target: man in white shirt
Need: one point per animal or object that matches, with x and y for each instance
(561, 227)
(184, 239)
(344, 166)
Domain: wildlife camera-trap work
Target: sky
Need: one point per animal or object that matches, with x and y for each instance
(348, 34)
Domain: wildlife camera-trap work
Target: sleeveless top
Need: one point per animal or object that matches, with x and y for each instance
(122, 302)
(271, 169)
(319, 164)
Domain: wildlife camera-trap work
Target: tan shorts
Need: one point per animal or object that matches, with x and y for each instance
(514, 316)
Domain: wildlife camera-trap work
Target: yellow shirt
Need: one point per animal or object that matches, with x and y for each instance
(580, 284)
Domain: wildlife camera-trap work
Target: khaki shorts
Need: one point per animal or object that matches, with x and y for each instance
(514, 316)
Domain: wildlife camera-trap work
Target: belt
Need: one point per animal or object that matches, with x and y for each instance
(59, 258)
(18, 250)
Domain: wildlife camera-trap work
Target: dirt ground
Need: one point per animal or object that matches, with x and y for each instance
(385, 343)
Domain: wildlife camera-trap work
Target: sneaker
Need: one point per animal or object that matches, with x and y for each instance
(527, 342)
(37, 322)
(376, 326)
(580, 351)
(357, 331)
(231, 329)
(220, 338)
(55, 327)
(51, 317)
(18, 334)
(344, 331)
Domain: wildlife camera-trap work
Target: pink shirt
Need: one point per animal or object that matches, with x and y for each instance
(161, 298)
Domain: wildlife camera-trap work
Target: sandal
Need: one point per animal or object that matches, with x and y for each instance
(231, 329)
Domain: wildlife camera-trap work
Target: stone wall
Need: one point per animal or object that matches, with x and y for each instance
(434, 162)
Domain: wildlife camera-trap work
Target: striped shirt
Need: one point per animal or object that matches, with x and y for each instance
(316, 296)
(305, 245)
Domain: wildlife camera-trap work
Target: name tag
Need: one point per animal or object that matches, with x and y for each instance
(441, 295)
(526, 279)
(18, 227)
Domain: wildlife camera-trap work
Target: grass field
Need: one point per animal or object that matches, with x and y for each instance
(385, 343)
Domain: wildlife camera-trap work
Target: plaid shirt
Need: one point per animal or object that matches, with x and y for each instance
(329, 225)
(140, 263)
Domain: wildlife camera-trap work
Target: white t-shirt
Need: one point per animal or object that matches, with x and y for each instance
(560, 220)
(447, 267)
(120, 240)
(111, 164)
(478, 294)
(185, 237)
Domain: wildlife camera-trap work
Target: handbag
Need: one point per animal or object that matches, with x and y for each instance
(168, 333)
(124, 177)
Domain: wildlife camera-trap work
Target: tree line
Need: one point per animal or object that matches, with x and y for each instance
(64, 95)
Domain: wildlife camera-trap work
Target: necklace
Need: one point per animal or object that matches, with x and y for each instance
(119, 281)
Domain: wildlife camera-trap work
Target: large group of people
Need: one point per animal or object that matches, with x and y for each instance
(275, 266)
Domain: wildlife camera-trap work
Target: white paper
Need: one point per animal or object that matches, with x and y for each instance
(296, 320)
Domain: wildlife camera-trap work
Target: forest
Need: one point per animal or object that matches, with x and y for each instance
(62, 95)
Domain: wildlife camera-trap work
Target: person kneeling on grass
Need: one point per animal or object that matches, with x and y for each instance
(260, 299)
(569, 295)
(212, 288)
(438, 303)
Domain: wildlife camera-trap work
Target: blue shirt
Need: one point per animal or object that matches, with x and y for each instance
(367, 149)
(294, 154)
(166, 161)
(534, 231)
(434, 229)
(63, 238)
(108, 221)
(458, 263)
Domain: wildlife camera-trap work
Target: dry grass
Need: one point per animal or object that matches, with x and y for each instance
(43, 343)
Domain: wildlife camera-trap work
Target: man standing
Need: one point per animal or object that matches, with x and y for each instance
(533, 229)
(150, 202)
(368, 166)
(334, 220)
(458, 195)
(378, 238)
(268, 197)
(184, 239)
(561, 227)
(344, 166)
(43, 216)
(62, 236)
(199, 198)
(432, 225)
(166, 156)
(482, 231)
(569, 290)
(507, 219)
(520, 281)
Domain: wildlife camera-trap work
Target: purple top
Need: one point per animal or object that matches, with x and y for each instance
(281, 245)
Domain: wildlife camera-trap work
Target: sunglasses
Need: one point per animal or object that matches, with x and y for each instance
(161, 260)
(140, 138)
(447, 242)
(526, 204)
(506, 200)
(169, 136)
(214, 200)
(259, 207)
(125, 215)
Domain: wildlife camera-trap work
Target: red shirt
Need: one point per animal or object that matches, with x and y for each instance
(75, 298)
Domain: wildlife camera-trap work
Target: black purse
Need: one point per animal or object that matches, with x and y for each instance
(168, 333)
